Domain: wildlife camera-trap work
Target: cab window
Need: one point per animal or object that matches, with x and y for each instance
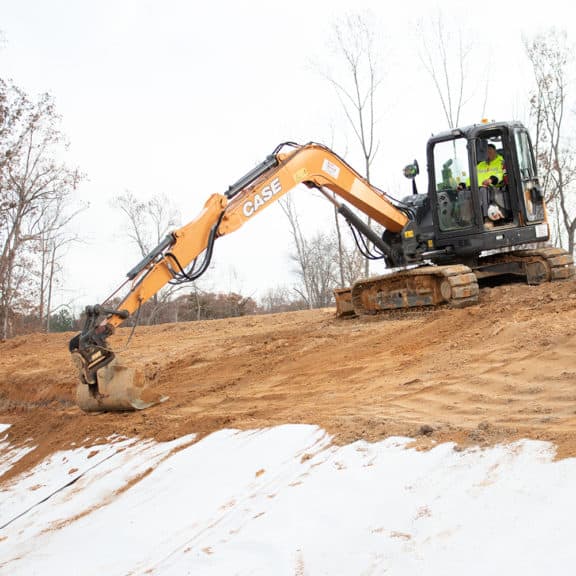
(452, 178)
(533, 198)
(493, 187)
(525, 161)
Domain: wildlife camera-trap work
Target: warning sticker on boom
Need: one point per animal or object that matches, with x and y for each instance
(330, 168)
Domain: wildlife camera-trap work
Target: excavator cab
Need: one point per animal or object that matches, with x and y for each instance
(484, 190)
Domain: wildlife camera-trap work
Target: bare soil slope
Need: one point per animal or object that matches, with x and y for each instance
(499, 371)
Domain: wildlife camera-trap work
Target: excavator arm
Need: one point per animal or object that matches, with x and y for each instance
(185, 254)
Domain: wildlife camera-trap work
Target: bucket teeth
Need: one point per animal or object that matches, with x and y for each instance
(118, 388)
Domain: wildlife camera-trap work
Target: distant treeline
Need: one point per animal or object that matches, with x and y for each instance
(184, 308)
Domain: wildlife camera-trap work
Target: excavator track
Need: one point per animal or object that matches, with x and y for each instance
(455, 285)
(538, 265)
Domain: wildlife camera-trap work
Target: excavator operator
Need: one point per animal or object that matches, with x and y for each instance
(492, 174)
(491, 170)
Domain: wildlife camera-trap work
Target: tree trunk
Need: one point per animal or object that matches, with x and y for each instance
(42, 285)
(340, 247)
(50, 284)
(368, 220)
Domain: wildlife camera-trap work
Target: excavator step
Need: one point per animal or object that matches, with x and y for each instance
(427, 286)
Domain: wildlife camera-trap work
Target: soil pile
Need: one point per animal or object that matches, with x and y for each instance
(498, 371)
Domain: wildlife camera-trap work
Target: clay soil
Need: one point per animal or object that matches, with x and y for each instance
(495, 372)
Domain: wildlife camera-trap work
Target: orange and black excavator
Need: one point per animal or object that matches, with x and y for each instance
(435, 245)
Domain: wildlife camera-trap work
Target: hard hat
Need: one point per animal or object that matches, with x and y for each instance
(494, 213)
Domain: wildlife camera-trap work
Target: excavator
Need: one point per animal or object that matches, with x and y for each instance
(436, 246)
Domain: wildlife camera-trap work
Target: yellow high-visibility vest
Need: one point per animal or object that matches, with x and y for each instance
(495, 168)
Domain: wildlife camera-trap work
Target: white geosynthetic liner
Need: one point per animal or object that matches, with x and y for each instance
(285, 501)
(9, 455)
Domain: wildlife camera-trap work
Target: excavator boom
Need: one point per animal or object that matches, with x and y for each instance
(185, 254)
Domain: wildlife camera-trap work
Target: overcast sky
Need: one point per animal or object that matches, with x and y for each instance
(183, 98)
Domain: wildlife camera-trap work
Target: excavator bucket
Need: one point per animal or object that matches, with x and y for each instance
(119, 388)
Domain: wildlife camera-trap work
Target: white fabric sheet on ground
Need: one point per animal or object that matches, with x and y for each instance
(285, 501)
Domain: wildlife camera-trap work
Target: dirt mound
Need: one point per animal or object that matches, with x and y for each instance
(498, 371)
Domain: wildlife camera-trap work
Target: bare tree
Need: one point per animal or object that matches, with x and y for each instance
(337, 226)
(352, 264)
(357, 90)
(301, 255)
(319, 275)
(34, 183)
(148, 222)
(276, 299)
(316, 261)
(445, 56)
(551, 58)
(358, 86)
(340, 246)
(54, 237)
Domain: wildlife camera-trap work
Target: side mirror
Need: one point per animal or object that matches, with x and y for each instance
(411, 170)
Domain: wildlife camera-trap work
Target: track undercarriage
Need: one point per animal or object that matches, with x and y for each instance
(453, 285)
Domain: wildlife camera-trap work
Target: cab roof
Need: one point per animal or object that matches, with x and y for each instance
(474, 130)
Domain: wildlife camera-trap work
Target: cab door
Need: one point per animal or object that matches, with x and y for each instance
(530, 193)
(453, 201)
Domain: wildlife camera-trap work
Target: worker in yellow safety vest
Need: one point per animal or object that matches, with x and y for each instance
(491, 171)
